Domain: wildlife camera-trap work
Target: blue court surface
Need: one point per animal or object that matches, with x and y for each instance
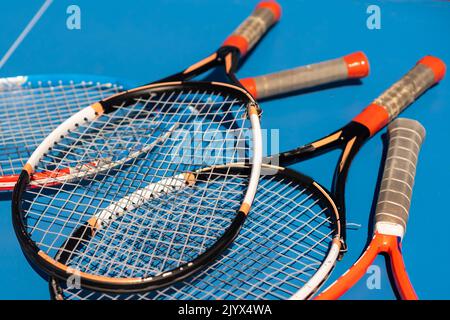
(146, 40)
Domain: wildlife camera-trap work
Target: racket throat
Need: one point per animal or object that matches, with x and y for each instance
(337, 139)
(351, 140)
(385, 243)
(312, 150)
(228, 57)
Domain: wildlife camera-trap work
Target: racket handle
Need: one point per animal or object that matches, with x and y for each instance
(354, 65)
(427, 72)
(392, 210)
(265, 15)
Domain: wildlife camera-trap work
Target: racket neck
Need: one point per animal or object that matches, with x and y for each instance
(353, 133)
(226, 56)
(353, 137)
(349, 139)
(230, 57)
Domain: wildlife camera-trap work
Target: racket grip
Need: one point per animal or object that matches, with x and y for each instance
(392, 210)
(249, 32)
(355, 65)
(427, 72)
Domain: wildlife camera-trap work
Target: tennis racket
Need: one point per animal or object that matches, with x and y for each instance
(32, 106)
(392, 211)
(64, 224)
(295, 234)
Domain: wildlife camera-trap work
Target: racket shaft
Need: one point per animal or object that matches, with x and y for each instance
(354, 65)
(401, 278)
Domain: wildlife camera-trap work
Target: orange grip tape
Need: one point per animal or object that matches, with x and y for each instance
(250, 85)
(237, 42)
(357, 65)
(436, 65)
(272, 6)
(374, 118)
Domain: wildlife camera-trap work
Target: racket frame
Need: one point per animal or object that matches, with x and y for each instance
(58, 269)
(227, 56)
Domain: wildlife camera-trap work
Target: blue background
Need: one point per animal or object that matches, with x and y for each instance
(146, 40)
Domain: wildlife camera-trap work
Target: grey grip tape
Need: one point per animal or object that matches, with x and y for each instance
(255, 26)
(301, 78)
(406, 90)
(392, 210)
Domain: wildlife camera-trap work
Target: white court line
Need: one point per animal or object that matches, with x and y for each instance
(25, 32)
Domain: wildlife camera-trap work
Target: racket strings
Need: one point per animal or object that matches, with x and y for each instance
(134, 183)
(126, 128)
(31, 111)
(157, 227)
(282, 244)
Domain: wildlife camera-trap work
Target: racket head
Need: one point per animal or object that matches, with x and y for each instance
(280, 250)
(102, 149)
(31, 106)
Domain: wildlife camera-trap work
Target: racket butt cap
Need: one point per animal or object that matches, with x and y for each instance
(436, 65)
(357, 65)
(272, 6)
